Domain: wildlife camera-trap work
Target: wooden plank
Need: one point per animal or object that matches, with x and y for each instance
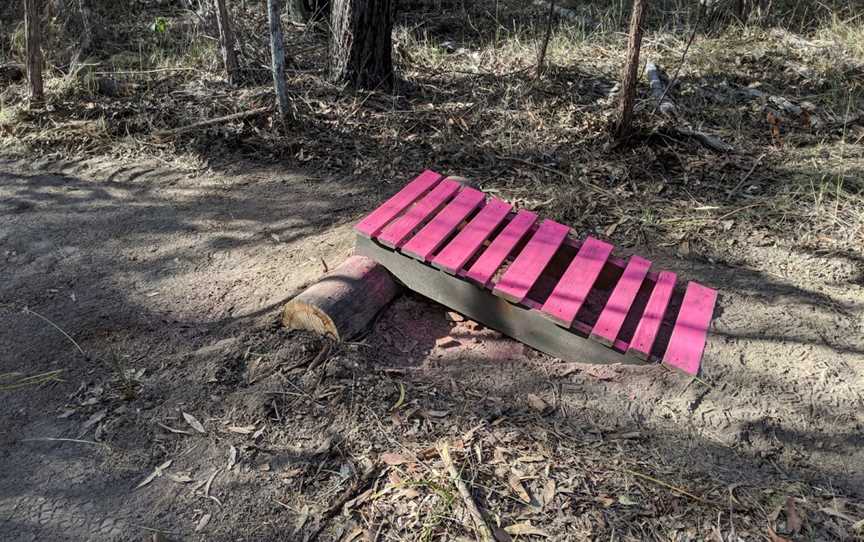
(395, 233)
(652, 317)
(521, 323)
(485, 267)
(571, 291)
(523, 273)
(615, 312)
(468, 241)
(433, 234)
(691, 328)
(375, 221)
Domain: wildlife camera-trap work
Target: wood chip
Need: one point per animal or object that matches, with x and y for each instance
(232, 457)
(245, 430)
(525, 529)
(393, 459)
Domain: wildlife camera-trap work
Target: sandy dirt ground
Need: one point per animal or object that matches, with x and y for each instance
(171, 283)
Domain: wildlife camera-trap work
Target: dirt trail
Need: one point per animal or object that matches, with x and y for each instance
(171, 282)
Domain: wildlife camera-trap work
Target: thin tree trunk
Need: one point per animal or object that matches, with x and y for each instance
(630, 73)
(86, 28)
(541, 57)
(361, 43)
(277, 56)
(33, 32)
(226, 41)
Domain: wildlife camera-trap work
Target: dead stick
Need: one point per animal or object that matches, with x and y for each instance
(482, 528)
(211, 122)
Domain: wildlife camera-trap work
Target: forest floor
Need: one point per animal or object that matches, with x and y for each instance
(141, 276)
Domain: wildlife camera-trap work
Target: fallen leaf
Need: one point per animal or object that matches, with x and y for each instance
(393, 459)
(537, 402)
(93, 420)
(173, 430)
(793, 518)
(525, 529)
(155, 474)
(193, 421)
(401, 399)
(232, 457)
(246, 430)
(435, 413)
(518, 488)
(774, 537)
(202, 523)
(180, 478)
(498, 455)
(548, 492)
(626, 500)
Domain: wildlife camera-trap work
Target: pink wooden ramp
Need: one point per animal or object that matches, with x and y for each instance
(396, 232)
(527, 267)
(372, 224)
(572, 290)
(649, 324)
(691, 329)
(572, 300)
(615, 312)
(491, 259)
(471, 238)
(435, 232)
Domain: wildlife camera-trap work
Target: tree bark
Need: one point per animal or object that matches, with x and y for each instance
(630, 73)
(86, 28)
(277, 58)
(33, 33)
(361, 43)
(344, 302)
(226, 41)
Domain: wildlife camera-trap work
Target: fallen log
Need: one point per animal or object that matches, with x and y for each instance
(343, 302)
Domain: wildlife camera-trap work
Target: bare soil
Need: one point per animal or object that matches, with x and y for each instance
(171, 284)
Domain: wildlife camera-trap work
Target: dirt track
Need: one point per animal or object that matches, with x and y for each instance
(176, 280)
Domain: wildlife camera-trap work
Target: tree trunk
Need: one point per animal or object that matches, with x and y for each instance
(33, 31)
(361, 43)
(86, 28)
(630, 73)
(226, 41)
(277, 58)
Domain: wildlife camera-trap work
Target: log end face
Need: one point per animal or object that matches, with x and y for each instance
(304, 316)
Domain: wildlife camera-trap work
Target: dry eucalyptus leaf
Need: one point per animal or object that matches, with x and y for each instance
(393, 459)
(173, 430)
(548, 492)
(194, 423)
(232, 457)
(155, 474)
(93, 420)
(202, 523)
(180, 478)
(245, 430)
(518, 488)
(525, 529)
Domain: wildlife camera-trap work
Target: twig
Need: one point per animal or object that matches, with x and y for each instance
(211, 122)
(683, 56)
(669, 486)
(483, 530)
(354, 489)
(743, 180)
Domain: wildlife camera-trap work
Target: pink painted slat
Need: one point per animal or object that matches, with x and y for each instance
(433, 234)
(488, 263)
(571, 291)
(466, 243)
(387, 211)
(615, 312)
(691, 328)
(652, 316)
(530, 263)
(394, 234)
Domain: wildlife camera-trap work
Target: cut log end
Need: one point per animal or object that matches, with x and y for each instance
(344, 302)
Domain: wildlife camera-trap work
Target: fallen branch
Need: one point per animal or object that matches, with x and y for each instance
(212, 122)
(483, 530)
(706, 140)
(359, 485)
